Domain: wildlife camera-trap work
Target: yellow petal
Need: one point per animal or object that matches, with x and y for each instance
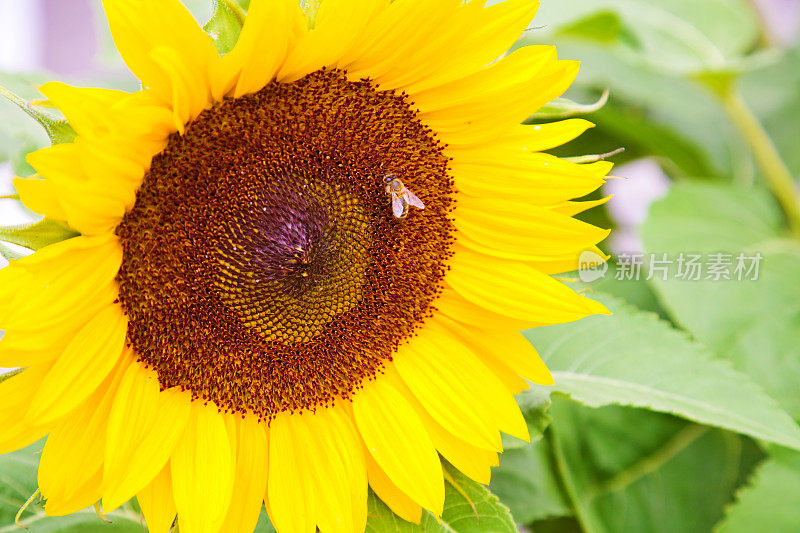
(448, 400)
(397, 32)
(157, 502)
(21, 348)
(471, 460)
(455, 387)
(146, 118)
(331, 473)
(260, 50)
(518, 67)
(87, 205)
(39, 196)
(71, 466)
(483, 37)
(83, 496)
(92, 215)
(68, 281)
(397, 500)
(517, 290)
(144, 426)
(425, 57)
(84, 364)
(335, 456)
(399, 443)
(109, 164)
(513, 348)
(290, 498)
(63, 166)
(339, 24)
(531, 138)
(189, 89)
(495, 113)
(573, 208)
(86, 108)
(516, 230)
(65, 278)
(251, 476)
(59, 164)
(17, 393)
(538, 179)
(458, 308)
(203, 471)
(496, 359)
(139, 26)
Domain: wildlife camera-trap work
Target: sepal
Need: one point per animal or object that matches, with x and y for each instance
(225, 25)
(562, 108)
(58, 130)
(36, 235)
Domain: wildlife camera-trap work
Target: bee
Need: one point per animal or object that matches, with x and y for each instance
(401, 197)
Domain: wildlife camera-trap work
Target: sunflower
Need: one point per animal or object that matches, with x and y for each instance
(302, 266)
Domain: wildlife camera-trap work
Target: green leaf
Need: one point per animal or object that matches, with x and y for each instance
(225, 25)
(651, 138)
(526, 482)
(696, 133)
(603, 26)
(264, 525)
(633, 358)
(772, 498)
(468, 508)
(753, 324)
(772, 94)
(639, 293)
(663, 97)
(18, 482)
(37, 234)
(557, 525)
(679, 35)
(633, 470)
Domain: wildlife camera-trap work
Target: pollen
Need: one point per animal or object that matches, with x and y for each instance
(263, 268)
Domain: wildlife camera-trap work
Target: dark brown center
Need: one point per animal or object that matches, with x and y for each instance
(263, 267)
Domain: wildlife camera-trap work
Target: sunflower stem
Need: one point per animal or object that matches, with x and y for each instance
(777, 173)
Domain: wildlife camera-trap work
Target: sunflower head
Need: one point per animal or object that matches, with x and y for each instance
(264, 232)
(299, 268)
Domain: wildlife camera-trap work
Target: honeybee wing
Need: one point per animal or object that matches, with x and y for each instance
(399, 207)
(412, 199)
